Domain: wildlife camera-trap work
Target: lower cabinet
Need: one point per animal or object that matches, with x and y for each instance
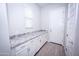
(34, 46)
(31, 47)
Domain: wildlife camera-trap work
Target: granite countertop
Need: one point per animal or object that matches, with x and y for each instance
(25, 38)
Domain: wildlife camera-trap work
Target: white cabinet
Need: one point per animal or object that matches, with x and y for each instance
(34, 46)
(43, 38)
(20, 50)
(31, 47)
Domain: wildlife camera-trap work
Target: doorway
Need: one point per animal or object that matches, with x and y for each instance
(56, 25)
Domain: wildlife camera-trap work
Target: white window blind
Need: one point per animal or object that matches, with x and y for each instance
(28, 17)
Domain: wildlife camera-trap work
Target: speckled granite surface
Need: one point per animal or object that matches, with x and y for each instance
(18, 40)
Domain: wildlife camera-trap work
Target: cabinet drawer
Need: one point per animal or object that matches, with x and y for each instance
(24, 49)
(21, 47)
(22, 53)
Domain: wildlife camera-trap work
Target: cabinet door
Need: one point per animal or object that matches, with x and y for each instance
(43, 38)
(34, 46)
(22, 50)
(31, 47)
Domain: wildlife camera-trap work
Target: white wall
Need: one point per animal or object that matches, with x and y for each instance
(45, 14)
(4, 34)
(16, 18)
(76, 44)
(45, 18)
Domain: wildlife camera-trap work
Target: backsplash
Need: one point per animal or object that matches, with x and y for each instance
(19, 35)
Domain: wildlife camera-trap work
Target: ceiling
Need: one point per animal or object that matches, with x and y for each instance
(45, 4)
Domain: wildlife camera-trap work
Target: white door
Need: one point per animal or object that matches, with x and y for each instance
(56, 25)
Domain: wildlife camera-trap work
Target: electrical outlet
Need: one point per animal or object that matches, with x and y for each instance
(28, 49)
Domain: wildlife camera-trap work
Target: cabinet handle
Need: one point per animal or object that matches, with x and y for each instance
(31, 41)
(71, 42)
(23, 46)
(28, 49)
(66, 34)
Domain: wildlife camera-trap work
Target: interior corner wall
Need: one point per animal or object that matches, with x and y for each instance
(4, 34)
(66, 19)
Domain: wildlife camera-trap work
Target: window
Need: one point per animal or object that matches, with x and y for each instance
(28, 17)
